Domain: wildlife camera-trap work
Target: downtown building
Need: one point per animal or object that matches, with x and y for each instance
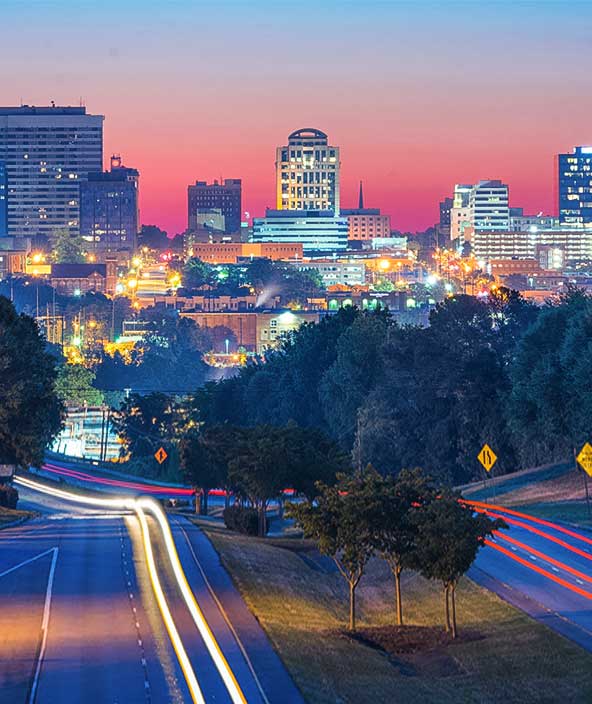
(217, 206)
(366, 223)
(307, 196)
(47, 152)
(3, 200)
(575, 187)
(109, 215)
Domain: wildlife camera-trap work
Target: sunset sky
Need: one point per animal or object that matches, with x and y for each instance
(418, 95)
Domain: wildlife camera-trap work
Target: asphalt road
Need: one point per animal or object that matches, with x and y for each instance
(543, 570)
(105, 638)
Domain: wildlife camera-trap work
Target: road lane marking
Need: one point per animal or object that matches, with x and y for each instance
(224, 615)
(502, 509)
(138, 505)
(543, 556)
(540, 570)
(44, 625)
(26, 562)
(214, 649)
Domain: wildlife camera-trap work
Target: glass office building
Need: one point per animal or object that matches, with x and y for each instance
(575, 187)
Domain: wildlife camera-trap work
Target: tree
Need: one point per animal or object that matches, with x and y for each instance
(200, 467)
(153, 237)
(339, 522)
(74, 386)
(67, 247)
(398, 499)
(31, 413)
(144, 423)
(258, 470)
(312, 457)
(197, 274)
(449, 535)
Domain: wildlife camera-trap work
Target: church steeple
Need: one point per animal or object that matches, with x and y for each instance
(361, 197)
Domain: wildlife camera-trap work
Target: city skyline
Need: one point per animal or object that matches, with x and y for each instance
(215, 91)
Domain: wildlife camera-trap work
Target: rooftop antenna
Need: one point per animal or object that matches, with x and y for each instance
(361, 198)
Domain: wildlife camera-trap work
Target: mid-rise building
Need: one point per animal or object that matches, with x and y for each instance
(3, 200)
(109, 216)
(234, 252)
(48, 152)
(575, 243)
(575, 187)
(217, 199)
(337, 272)
(307, 172)
(489, 206)
(316, 230)
(366, 223)
(460, 213)
(520, 222)
(445, 220)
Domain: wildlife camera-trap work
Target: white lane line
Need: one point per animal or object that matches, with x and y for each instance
(554, 568)
(44, 625)
(26, 562)
(222, 610)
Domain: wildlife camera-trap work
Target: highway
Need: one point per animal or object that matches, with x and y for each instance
(82, 620)
(543, 568)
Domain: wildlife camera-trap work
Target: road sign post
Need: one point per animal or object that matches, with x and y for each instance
(584, 459)
(160, 455)
(488, 458)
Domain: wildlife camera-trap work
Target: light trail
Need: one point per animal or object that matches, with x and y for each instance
(539, 570)
(139, 505)
(551, 560)
(537, 531)
(541, 521)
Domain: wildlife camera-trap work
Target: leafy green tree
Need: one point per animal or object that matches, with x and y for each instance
(201, 467)
(74, 386)
(398, 499)
(153, 237)
(144, 423)
(197, 274)
(339, 521)
(258, 470)
(312, 457)
(448, 537)
(30, 411)
(67, 247)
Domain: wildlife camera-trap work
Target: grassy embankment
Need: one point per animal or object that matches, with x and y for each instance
(501, 656)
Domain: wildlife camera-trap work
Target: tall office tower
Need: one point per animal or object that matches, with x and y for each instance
(307, 173)
(204, 198)
(109, 216)
(47, 152)
(3, 200)
(575, 187)
(489, 206)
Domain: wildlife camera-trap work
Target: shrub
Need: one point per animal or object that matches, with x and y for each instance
(241, 519)
(8, 496)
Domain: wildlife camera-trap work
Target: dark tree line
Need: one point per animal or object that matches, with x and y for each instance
(498, 370)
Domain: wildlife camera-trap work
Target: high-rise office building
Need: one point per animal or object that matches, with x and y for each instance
(575, 187)
(3, 200)
(48, 151)
(307, 172)
(489, 206)
(216, 198)
(109, 215)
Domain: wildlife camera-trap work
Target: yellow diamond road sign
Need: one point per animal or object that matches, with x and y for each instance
(585, 458)
(160, 455)
(487, 457)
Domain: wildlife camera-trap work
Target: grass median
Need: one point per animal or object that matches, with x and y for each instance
(501, 656)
